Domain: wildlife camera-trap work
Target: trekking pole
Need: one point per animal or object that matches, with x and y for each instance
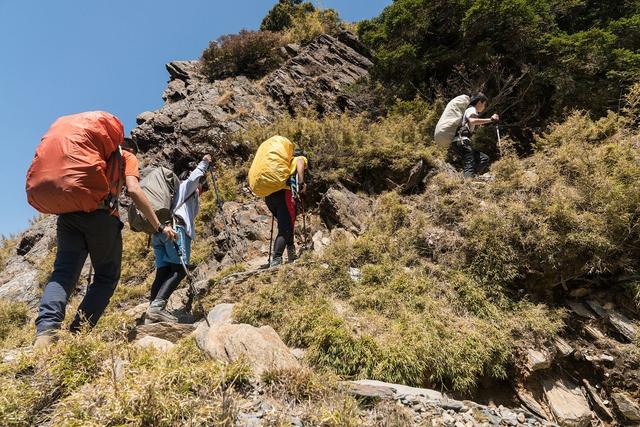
(270, 240)
(305, 230)
(499, 140)
(196, 299)
(224, 218)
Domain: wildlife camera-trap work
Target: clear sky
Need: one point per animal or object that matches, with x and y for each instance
(66, 56)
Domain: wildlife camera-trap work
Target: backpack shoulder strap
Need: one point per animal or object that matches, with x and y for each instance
(115, 173)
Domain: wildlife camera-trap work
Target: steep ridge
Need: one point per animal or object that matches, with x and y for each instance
(585, 374)
(199, 115)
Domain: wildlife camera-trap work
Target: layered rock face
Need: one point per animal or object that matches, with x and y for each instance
(199, 115)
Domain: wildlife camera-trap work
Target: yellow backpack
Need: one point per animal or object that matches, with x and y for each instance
(271, 166)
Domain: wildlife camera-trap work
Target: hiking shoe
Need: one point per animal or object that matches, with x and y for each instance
(44, 340)
(291, 253)
(276, 261)
(156, 314)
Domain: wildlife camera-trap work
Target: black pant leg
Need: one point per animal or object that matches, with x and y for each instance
(466, 152)
(174, 278)
(481, 161)
(278, 206)
(70, 257)
(104, 240)
(162, 274)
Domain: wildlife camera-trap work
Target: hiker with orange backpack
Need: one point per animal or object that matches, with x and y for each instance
(78, 172)
(277, 174)
(172, 258)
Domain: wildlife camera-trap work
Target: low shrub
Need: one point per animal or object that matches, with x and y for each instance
(7, 246)
(13, 316)
(371, 156)
(250, 53)
(306, 26)
(404, 320)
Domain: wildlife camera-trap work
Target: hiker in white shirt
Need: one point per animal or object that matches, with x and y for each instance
(173, 257)
(474, 161)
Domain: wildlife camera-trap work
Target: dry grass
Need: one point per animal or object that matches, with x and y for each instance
(7, 247)
(406, 320)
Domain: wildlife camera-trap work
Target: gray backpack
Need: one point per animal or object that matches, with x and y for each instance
(160, 187)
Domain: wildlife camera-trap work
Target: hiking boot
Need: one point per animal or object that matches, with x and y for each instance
(291, 253)
(156, 313)
(44, 340)
(276, 261)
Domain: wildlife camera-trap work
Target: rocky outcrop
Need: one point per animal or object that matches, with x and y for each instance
(199, 115)
(434, 407)
(340, 207)
(313, 79)
(18, 281)
(567, 403)
(628, 407)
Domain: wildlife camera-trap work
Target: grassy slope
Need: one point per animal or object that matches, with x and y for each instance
(445, 296)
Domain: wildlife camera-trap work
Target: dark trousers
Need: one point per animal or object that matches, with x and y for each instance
(79, 234)
(166, 282)
(474, 162)
(282, 206)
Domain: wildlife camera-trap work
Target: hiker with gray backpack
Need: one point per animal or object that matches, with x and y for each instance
(457, 126)
(176, 201)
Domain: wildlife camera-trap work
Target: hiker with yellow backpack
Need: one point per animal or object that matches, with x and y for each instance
(278, 174)
(78, 172)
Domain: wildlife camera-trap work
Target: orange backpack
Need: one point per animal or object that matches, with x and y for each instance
(78, 165)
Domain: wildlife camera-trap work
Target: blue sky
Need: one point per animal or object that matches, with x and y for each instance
(65, 56)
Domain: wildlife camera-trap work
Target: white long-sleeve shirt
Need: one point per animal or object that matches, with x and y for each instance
(188, 211)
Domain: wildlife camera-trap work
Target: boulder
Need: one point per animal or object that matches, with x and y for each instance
(175, 91)
(165, 330)
(159, 344)
(594, 332)
(580, 309)
(627, 406)
(144, 117)
(596, 401)
(537, 360)
(562, 347)
(567, 403)
(369, 390)
(261, 347)
(397, 391)
(340, 207)
(137, 312)
(623, 325)
(597, 308)
(221, 314)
